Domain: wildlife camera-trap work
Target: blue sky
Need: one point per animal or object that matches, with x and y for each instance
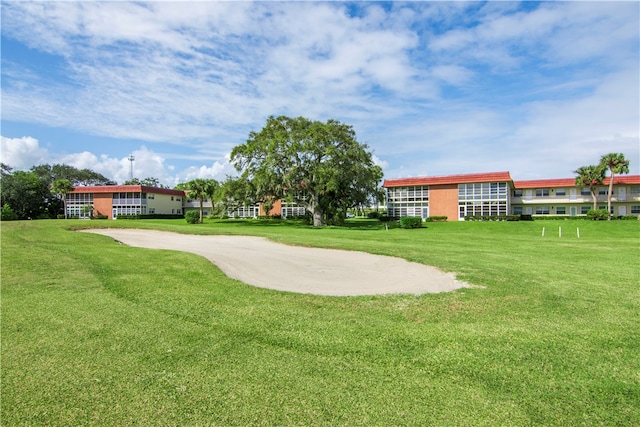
(434, 88)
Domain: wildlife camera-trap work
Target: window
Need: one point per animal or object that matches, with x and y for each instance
(542, 210)
(517, 193)
(635, 190)
(561, 192)
(542, 192)
(584, 209)
(603, 191)
(561, 210)
(635, 209)
(517, 210)
(172, 198)
(585, 191)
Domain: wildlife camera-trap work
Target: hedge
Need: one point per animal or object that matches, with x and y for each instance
(153, 216)
(410, 222)
(497, 217)
(441, 218)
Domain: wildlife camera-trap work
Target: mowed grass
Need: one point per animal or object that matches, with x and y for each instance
(98, 333)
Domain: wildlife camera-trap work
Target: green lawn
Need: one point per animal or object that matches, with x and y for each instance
(97, 333)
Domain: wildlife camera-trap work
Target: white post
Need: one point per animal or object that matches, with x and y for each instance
(578, 230)
(559, 231)
(542, 231)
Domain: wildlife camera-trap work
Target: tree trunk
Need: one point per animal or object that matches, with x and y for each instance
(609, 197)
(64, 205)
(317, 212)
(200, 200)
(594, 197)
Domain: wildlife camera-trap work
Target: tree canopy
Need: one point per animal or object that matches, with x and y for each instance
(149, 182)
(200, 189)
(590, 176)
(318, 165)
(31, 194)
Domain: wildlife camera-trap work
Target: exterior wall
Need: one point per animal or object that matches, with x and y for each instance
(126, 200)
(574, 201)
(443, 201)
(190, 204)
(275, 210)
(410, 200)
(102, 204)
(164, 204)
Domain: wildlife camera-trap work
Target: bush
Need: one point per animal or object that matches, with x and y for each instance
(8, 213)
(192, 217)
(597, 214)
(60, 216)
(410, 222)
(436, 218)
(100, 216)
(374, 215)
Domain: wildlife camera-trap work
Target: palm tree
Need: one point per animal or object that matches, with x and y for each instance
(590, 176)
(617, 164)
(210, 189)
(196, 189)
(61, 187)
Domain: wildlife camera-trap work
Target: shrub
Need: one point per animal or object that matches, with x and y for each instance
(100, 216)
(436, 218)
(410, 222)
(374, 215)
(60, 216)
(192, 217)
(597, 214)
(495, 217)
(8, 213)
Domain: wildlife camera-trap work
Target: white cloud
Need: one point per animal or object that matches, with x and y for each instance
(22, 153)
(442, 87)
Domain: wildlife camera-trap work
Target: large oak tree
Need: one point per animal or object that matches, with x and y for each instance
(318, 165)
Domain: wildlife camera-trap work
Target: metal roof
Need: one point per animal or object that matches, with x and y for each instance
(449, 179)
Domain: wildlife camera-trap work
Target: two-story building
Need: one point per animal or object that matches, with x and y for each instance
(495, 193)
(563, 197)
(114, 200)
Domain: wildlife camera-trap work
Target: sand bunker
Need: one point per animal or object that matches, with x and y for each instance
(260, 262)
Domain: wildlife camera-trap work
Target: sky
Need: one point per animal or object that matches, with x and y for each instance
(433, 88)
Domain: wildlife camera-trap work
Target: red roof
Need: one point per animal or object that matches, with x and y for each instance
(449, 179)
(571, 182)
(127, 189)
